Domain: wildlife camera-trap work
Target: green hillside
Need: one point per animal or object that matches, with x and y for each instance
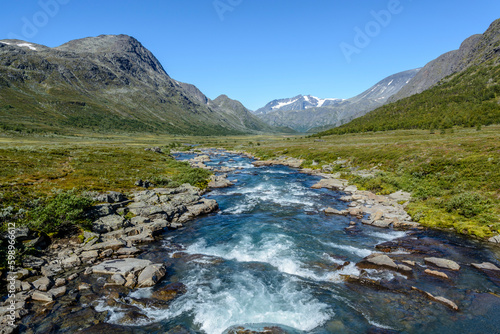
(468, 98)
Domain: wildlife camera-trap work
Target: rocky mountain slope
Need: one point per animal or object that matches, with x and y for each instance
(104, 83)
(474, 50)
(470, 96)
(306, 113)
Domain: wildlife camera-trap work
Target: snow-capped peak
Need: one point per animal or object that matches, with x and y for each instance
(27, 45)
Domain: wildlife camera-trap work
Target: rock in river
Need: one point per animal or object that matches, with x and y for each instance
(442, 263)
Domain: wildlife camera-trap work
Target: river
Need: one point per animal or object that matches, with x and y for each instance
(271, 257)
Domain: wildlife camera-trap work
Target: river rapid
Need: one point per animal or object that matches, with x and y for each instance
(270, 258)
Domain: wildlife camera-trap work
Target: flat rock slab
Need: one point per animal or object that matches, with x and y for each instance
(333, 184)
(121, 266)
(442, 263)
(436, 273)
(485, 266)
(382, 260)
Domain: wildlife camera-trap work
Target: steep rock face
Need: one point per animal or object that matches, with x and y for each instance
(298, 115)
(474, 50)
(104, 83)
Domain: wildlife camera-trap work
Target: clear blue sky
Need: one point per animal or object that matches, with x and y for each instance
(259, 50)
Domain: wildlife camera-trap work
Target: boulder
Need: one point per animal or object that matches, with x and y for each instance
(109, 223)
(118, 279)
(121, 266)
(60, 282)
(42, 284)
(485, 266)
(128, 251)
(111, 244)
(381, 260)
(219, 181)
(51, 270)
(495, 239)
(34, 262)
(71, 261)
(89, 255)
(42, 297)
(151, 275)
(332, 211)
(333, 184)
(57, 292)
(442, 263)
(400, 196)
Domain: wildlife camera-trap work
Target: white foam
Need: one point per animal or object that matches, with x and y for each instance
(362, 252)
(389, 235)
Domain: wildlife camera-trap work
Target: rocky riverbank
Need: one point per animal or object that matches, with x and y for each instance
(65, 271)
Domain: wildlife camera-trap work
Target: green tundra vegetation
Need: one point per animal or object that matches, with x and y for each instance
(470, 98)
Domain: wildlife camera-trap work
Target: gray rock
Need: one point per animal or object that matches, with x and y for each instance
(111, 197)
(118, 279)
(485, 266)
(109, 223)
(219, 181)
(147, 196)
(381, 223)
(351, 189)
(495, 239)
(89, 255)
(60, 282)
(332, 211)
(112, 244)
(128, 251)
(442, 263)
(42, 284)
(333, 184)
(57, 292)
(42, 297)
(71, 262)
(400, 196)
(139, 220)
(23, 273)
(106, 253)
(121, 266)
(381, 260)
(51, 270)
(101, 210)
(151, 275)
(34, 262)
(144, 237)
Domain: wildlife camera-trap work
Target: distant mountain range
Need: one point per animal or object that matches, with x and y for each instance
(459, 88)
(309, 113)
(107, 83)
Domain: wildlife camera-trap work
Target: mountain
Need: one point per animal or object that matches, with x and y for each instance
(306, 113)
(474, 50)
(470, 96)
(104, 83)
(299, 102)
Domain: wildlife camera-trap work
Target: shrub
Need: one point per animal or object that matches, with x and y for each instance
(195, 176)
(60, 212)
(467, 204)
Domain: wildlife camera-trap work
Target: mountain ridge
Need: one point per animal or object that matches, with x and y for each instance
(103, 83)
(340, 111)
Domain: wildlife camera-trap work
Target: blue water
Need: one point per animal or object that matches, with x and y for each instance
(271, 257)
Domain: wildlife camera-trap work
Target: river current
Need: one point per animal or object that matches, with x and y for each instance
(271, 257)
